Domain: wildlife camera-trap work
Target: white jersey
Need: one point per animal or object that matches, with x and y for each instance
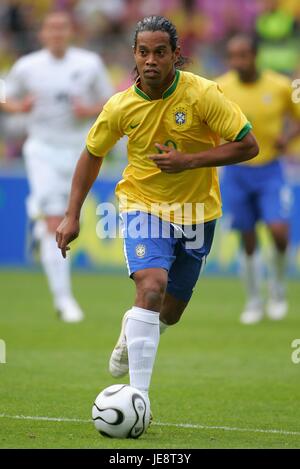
(55, 83)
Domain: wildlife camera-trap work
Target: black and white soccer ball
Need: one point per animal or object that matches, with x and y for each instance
(121, 411)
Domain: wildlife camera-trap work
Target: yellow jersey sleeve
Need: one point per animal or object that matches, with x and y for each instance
(222, 116)
(106, 131)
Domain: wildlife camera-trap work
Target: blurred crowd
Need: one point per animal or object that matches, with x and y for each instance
(107, 27)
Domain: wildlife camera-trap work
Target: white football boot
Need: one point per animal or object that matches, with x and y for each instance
(69, 311)
(118, 362)
(253, 312)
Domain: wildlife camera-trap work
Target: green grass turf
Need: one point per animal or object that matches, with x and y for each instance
(210, 370)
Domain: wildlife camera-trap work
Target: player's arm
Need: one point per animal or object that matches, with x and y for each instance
(173, 161)
(17, 95)
(226, 154)
(22, 105)
(86, 172)
(101, 138)
(83, 111)
(291, 127)
(225, 119)
(102, 91)
(292, 131)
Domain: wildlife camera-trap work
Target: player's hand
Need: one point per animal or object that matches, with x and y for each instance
(80, 110)
(171, 160)
(26, 104)
(67, 231)
(281, 143)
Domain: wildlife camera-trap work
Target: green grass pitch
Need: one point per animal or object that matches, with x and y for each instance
(232, 385)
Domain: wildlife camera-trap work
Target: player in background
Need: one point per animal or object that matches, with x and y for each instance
(257, 190)
(174, 121)
(61, 88)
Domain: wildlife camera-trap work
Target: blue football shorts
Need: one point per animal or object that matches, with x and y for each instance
(150, 242)
(256, 193)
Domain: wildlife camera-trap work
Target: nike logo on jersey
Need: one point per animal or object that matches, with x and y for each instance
(134, 126)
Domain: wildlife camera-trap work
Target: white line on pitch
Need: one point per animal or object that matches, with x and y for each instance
(159, 424)
(46, 419)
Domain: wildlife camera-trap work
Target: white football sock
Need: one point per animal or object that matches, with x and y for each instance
(142, 336)
(252, 273)
(277, 272)
(56, 268)
(162, 327)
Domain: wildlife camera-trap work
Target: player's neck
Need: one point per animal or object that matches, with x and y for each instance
(58, 53)
(250, 77)
(156, 92)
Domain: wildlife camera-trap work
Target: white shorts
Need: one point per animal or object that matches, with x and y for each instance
(49, 169)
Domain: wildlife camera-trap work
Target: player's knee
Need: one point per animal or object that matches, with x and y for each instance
(249, 242)
(280, 234)
(151, 291)
(152, 294)
(281, 244)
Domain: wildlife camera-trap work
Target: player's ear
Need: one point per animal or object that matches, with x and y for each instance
(177, 53)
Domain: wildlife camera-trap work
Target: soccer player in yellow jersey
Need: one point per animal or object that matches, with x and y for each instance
(174, 121)
(256, 189)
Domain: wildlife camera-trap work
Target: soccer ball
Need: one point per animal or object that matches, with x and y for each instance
(120, 411)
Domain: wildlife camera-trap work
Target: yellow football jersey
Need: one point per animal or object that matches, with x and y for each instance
(192, 115)
(266, 103)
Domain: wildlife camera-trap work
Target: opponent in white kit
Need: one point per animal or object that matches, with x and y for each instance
(61, 88)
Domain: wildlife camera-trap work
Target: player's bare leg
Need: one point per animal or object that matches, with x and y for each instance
(171, 311)
(57, 270)
(253, 310)
(277, 305)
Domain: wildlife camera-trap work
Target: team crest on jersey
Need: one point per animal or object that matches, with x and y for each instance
(181, 117)
(140, 250)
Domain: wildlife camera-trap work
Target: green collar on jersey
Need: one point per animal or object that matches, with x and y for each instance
(166, 93)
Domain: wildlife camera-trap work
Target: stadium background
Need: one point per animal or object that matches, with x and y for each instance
(106, 26)
(233, 386)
